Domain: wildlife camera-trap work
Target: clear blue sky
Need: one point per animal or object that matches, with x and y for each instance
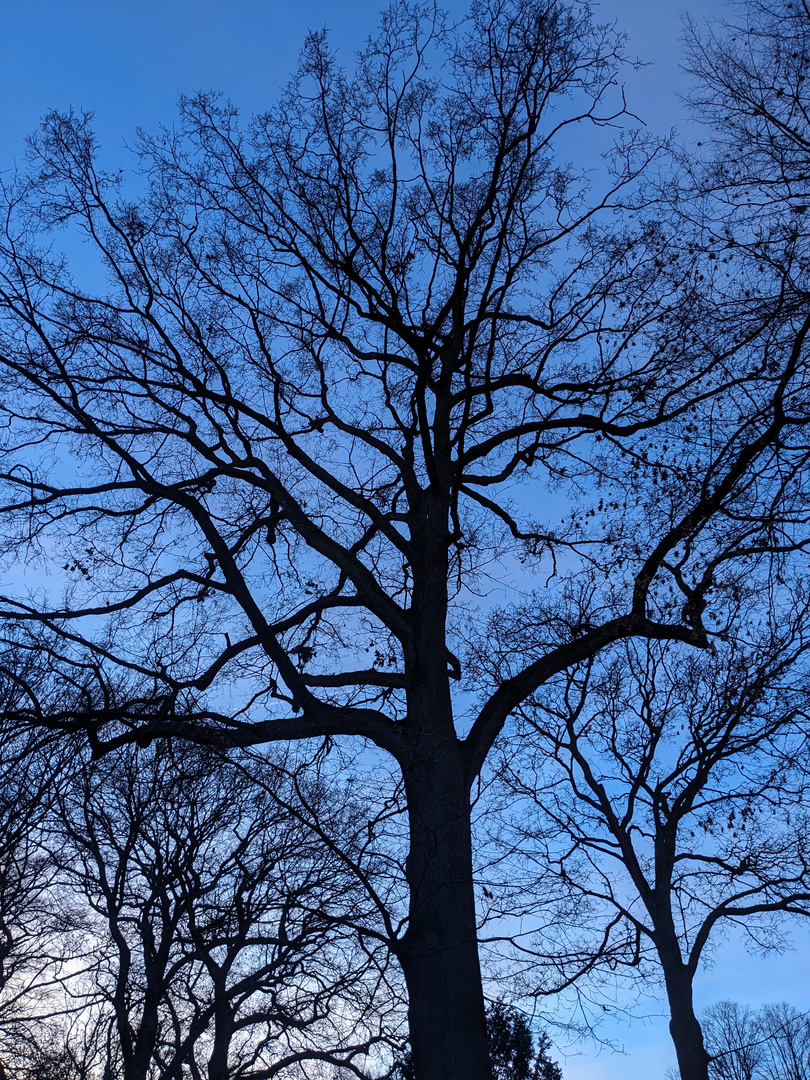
(127, 60)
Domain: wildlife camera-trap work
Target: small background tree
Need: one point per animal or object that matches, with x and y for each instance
(516, 1052)
(770, 1043)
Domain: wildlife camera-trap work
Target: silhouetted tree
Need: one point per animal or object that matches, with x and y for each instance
(771, 1043)
(221, 944)
(275, 460)
(514, 1052)
(671, 801)
(40, 930)
(785, 1034)
(731, 1040)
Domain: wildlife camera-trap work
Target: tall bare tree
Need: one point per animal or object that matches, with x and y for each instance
(40, 930)
(349, 364)
(224, 931)
(672, 802)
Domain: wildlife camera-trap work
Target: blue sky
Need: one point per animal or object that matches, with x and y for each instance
(127, 60)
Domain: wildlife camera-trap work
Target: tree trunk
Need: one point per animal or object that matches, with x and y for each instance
(684, 1026)
(223, 1032)
(439, 952)
(144, 1047)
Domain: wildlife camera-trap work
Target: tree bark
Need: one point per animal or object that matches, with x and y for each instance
(439, 952)
(223, 1031)
(684, 1026)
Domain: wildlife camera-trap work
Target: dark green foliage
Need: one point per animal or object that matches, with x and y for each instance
(514, 1053)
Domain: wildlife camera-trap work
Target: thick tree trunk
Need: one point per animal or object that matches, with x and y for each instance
(439, 953)
(144, 1048)
(684, 1026)
(223, 1033)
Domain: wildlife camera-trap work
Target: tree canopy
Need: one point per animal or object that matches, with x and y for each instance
(339, 370)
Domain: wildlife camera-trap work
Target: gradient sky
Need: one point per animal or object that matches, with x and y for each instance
(127, 60)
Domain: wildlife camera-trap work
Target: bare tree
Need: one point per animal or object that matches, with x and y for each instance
(771, 1043)
(222, 943)
(40, 930)
(785, 1034)
(732, 1040)
(281, 454)
(671, 798)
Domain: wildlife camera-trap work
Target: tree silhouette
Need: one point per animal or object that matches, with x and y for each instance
(222, 940)
(351, 364)
(671, 802)
(771, 1043)
(513, 1052)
